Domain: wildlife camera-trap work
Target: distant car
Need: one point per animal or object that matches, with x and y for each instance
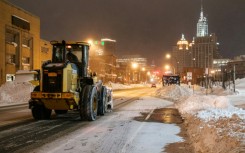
(153, 85)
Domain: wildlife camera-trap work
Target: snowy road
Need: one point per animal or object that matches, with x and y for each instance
(129, 128)
(133, 126)
(14, 114)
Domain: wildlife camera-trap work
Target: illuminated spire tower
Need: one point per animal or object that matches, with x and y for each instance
(202, 25)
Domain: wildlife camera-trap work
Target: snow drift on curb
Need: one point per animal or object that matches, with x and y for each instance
(213, 123)
(15, 93)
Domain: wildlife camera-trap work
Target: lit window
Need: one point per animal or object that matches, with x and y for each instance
(25, 60)
(44, 49)
(10, 59)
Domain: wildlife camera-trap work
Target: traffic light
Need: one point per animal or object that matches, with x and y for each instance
(102, 43)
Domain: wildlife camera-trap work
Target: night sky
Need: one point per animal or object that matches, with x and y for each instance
(146, 27)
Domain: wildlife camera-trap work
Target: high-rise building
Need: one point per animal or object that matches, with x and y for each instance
(109, 50)
(204, 47)
(109, 46)
(202, 25)
(103, 59)
(181, 55)
(204, 51)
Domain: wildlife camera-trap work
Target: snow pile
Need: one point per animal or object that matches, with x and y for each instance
(218, 90)
(219, 113)
(116, 86)
(212, 122)
(240, 86)
(15, 92)
(216, 117)
(196, 103)
(173, 92)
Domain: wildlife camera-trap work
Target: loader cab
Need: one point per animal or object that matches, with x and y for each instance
(58, 54)
(73, 52)
(68, 51)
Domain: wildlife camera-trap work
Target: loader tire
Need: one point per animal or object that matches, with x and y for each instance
(40, 112)
(84, 95)
(102, 101)
(90, 103)
(92, 108)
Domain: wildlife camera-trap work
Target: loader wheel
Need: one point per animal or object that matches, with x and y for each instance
(60, 111)
(83, 101)
(93, 105)
(39, 112)
(102, 101)
(89, 107)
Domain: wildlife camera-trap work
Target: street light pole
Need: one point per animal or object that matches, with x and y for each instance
(168, 56)
(234, 77)
(177, 67)
(134, 67)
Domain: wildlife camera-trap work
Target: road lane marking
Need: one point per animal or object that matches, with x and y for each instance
(136, 132)
(149, 115)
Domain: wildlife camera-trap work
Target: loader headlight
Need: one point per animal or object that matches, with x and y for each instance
(67, 95)
(35, 95)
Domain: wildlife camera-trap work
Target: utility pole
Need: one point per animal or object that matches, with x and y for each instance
(223, 76)
(206, 80)
(234, 77)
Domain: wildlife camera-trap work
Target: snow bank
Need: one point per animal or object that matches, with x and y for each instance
(196, 103)
(116, 86)
(15, 93)
(19, 91)
(173, 92)
(212, 122)
(240, 86)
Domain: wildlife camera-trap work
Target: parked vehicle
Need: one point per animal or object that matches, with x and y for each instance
(153, 85)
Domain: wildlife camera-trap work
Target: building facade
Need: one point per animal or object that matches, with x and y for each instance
(218, 67)
(181, 55)
(204, 51)
(103, 59)
(20, 43)
(109, 46)
(202, 25)
(236, 66)
(132, 69)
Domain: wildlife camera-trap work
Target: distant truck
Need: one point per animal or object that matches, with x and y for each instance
(66, 85)
(169, 79)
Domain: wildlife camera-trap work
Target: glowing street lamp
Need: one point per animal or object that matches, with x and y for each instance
(134, 65)
(167, 67)
(90, 41)
(168, 56)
